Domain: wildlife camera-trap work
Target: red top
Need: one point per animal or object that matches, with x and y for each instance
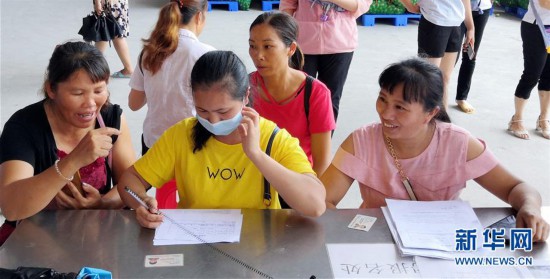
(291, 115)
(94, 174)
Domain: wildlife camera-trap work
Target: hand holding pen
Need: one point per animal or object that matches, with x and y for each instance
(147, 214)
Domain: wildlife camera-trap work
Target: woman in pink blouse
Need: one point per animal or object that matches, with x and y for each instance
(416, 153)
(328, 38)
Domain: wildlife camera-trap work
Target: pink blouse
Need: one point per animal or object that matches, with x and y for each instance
(336, 35)
(439, 173)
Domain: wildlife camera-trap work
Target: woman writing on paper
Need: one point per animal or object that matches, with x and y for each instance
(219, 159)
(44, 144)
(416, 153)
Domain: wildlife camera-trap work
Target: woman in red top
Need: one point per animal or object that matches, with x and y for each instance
(278, 87)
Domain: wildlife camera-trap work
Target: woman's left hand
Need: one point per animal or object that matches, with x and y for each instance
(469, 38)
(249, 130)
(531, 218)
(77, 201)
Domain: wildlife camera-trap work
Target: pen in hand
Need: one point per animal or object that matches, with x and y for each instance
(138, 199)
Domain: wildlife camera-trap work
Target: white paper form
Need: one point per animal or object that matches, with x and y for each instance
(434, 268)
(360, 260)
(413, 251)
(432, 224)
(210, 226)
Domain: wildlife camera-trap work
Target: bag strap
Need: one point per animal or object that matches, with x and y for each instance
(540, 24)
(110, 156)
(307, 96)
(267, 190)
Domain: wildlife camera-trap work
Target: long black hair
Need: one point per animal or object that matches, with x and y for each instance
(217, 68)
(422, 83)
(286, 28)
(164, 38)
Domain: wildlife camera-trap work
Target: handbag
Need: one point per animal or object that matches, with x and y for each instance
(103, 27)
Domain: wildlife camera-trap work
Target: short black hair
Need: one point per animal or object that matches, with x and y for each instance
(422, 83)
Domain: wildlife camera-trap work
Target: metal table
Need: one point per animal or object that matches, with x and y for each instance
(280, 243)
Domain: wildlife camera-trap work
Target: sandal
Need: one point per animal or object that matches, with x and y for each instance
(465, 106)
(522, 134)
(119, 74)
(545, 132)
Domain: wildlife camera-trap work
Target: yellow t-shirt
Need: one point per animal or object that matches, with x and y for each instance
(219, 175)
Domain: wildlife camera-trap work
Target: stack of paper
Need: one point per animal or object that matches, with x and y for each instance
(429, 228)
(192, 226)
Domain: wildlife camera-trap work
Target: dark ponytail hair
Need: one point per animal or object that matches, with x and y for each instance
(164, 38)
(222, 69)
(287, 30)
(422, 83)
(70, 57)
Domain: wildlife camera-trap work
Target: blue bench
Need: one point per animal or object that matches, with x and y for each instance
(268, 5)
(398, 20)
(233, 5)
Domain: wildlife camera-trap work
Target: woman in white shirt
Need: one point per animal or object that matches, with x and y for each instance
(161, 78)
(536, 69)
(439, 34)
(480, 16)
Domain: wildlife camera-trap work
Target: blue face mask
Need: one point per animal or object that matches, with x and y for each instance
(221, 128)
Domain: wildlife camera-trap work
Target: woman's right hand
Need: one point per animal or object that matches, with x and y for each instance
(96, 143)
(147, 219)
(98, 6)
(92, 199)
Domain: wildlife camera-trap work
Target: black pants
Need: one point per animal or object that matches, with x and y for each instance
(536, 61)
(144, 147)
(332, 70)
(467, 66)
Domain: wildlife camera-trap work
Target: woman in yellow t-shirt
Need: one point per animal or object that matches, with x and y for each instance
(218, 158)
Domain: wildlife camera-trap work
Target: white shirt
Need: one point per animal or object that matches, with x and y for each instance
(442, 12)
(168, 91)
(484, 5)
(543, 13)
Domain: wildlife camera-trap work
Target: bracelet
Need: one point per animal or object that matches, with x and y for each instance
(59, 172)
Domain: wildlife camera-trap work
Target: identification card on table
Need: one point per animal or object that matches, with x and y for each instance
(164, 260)
(362, 222)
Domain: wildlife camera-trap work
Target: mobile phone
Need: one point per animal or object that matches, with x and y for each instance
(77, 181)
(470, 51)
(506, 223)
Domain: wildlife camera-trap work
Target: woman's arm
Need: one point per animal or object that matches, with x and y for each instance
(133, 180)
(124, 157)
(98, 6)
(469, 22)
(350, 5)
(412, 8)
(525, 199)
(320, 152)
(336, 182)
(289, 6)
(303, 192)
(23, 194)
(137, 99)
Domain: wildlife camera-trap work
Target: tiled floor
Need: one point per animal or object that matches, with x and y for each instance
(31, 29)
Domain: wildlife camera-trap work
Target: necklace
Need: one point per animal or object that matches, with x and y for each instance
(404, 178)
